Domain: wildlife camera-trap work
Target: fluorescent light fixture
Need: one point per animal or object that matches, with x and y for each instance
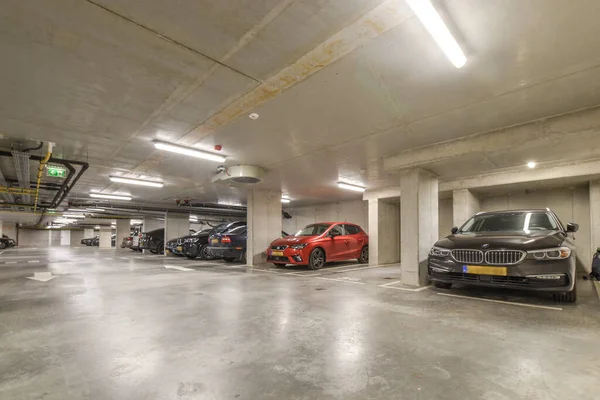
(95, 209)
(109, 196)
(64, 220)
(132, 181)
(531, 164)
(350, 186)
(77, 209)
(285, 199)
(136, 221)
(188, 151)
(73, 215)
(428, 15)
(97, 227)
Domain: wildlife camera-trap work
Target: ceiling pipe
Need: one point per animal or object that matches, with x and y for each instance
(43, 162)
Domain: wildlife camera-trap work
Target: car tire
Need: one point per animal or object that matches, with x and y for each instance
(160, 248)
(316, 259)
(229, 259)
(442, 285)
(202, 252)
(567, 297)
(2, 245)
(364, 255)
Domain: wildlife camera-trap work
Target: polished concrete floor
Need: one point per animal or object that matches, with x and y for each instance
(121, 325)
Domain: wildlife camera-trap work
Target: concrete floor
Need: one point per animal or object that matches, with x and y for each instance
(120, 325)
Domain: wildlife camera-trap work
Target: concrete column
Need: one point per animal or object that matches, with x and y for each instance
(384, 231)
(419, 223)
(151, 224)
(123, 230)
(105, 233)
(264, 223)
(464, 205)
(176, 225)
(595, 215)
(76, 236)
(65, 238)
(88, 233)
(9, 229)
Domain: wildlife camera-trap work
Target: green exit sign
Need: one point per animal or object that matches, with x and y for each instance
(56, 172)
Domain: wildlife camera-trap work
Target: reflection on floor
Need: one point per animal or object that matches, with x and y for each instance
(116, 324)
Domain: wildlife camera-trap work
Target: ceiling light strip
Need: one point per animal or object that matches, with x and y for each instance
(188, 151)
(132, 181)
(109, 196)
(350, 186)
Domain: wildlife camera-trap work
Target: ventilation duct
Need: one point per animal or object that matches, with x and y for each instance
(21, 161)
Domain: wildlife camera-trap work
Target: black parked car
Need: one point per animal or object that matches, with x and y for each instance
(175, 246)
(153, 240)
(96, 240)
(6, 242)
(526, 249)
(231, 244)
(89, 241)
(197, 246)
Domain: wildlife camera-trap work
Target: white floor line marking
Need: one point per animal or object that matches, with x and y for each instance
(10, 262)
(178, 268)
(300, 274)
(390, 284)
(339, 280)
(501, 302)
(1, 252)
(357, 269)
(33, 261)
(264, 270)
(405, 289)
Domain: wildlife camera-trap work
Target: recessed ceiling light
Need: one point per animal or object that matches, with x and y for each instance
(109, 196)
(188, 151)
(132, 181)
(531, 164)
(350, 186)
(428, 15)
(253, 116)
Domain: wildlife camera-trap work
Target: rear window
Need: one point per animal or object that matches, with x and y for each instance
(240, 230)
(352, 229)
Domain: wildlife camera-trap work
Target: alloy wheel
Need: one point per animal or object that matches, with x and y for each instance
(318, 258)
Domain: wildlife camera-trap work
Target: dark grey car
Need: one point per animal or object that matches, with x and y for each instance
(524, 249)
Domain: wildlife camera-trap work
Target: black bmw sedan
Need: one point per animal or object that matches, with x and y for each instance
(197, 246)
(525, 249)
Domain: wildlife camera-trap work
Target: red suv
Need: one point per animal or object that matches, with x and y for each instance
(321, 242)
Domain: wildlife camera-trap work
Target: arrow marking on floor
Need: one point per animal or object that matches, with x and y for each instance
(41, 276)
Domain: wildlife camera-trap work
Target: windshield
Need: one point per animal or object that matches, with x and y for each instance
(312, 230)
(239, 230)
(517, 221)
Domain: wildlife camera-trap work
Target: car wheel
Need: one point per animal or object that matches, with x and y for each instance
(442, 285)
(160, 248)
(364, 255)
(317, 259)
(229, 259)
(2, 245)
(202, 251)
(567, 297)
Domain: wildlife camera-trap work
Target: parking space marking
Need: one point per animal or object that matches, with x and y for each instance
(501, 302)
(357, 269)
(390, 286)
(33, 261)
(318, 272)
(340, 280)
(184, 269)
(10, 262)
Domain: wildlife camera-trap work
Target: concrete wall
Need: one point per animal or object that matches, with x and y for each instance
(569, 205)
(389, 232)
(350, 211)
(76, 237)
(445, 213)
(176, 225)
(33, 238)
(9, 229)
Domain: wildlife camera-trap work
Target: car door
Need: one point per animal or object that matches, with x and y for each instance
(354, 241)
(338, 245)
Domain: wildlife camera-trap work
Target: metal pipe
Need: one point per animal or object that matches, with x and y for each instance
(39, 175)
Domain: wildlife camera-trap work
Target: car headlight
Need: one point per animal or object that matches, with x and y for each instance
(439, 252)
(299, 246)
(559, 253)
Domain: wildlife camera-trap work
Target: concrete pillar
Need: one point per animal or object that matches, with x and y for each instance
(419, 223)
(464, 205)
(76, 236)
(123, 230)
(151, 224)
(65, 238)
(9, 229)
(384, 231)
(264, 223)
(88, 233)
(595, 215)
(105, 240)
(176, 225)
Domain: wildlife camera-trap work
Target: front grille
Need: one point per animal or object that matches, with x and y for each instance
(279, 259)
(179, 241)
(468, 256)
(459, 277)
(278, 247)
(504, 257)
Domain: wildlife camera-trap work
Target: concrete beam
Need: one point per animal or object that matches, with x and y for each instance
(580, 125)
(382, 193)
(589, 168)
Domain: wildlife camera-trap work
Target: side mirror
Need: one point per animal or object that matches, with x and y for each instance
(333, 234)
(454, 230)
(572, 227)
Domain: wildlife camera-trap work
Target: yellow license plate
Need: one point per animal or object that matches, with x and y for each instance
(481, 270)
(179, 248)
(214, 241)
(277, 253)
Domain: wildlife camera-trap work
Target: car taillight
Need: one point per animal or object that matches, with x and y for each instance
(225, 239)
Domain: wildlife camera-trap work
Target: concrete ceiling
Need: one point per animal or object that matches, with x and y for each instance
(338, 85)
